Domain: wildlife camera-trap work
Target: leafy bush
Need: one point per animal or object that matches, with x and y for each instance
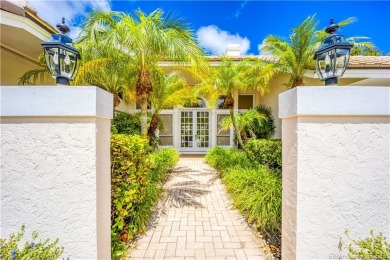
(136, 183)
(372, 247)
(267, 129)
(33, 249)
(257, 194)
(125, 123)
(164, 161)
(256, 190)
(223, 159)
(266, 152)
(129, 182)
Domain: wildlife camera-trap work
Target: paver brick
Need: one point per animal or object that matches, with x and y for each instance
(213, 231)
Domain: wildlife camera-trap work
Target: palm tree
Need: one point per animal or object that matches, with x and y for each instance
(146, 40)
(229, 77)
(247, 121)
(104, 68)
(294, 56)
(169, 91)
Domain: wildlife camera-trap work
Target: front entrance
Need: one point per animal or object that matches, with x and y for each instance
(194, 131)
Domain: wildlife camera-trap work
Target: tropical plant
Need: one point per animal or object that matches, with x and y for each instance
(294, 56)
(39, 74)
(146, 39)
(266, 129)
(372, 247)
(245, 122)
(229, 77)
(266, 152)
(13, 247)
(169, 90)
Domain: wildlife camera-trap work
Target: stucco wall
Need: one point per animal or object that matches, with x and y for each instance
(336, 161)
(55, 170)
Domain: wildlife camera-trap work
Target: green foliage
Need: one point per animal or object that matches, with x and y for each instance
(163, 163)
(124, 123)
(136, 182)
(255, 189)
(13, 248)
(223, 159)
(266, 152)
(266, 129)
(372, 247)
(257, 194)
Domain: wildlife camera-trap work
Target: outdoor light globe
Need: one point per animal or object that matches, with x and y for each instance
(60, 56)
(333, 56)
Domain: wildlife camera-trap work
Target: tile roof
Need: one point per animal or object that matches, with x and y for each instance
(356, 62)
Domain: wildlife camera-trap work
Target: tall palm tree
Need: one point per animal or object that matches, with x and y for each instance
(228, 77)
(294, 56)
(147, 39)
(169, 91)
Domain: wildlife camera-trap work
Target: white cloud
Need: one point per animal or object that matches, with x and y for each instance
(52, 11)
(216, 40)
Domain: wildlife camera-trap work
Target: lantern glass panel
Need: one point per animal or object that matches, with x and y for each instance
(52, 61)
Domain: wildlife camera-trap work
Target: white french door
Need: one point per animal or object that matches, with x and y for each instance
(194, 130)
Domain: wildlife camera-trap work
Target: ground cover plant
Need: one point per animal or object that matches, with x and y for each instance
(14, 248)
(256, 188)
(137, 175)
(371, 247)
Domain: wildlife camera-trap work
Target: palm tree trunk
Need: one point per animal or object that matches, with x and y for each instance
(236, 130)
(144, 117)
(143, 90)
(153, 125)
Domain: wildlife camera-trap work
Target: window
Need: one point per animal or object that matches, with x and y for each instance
(223, 136)
(245, 101)
(166, 133)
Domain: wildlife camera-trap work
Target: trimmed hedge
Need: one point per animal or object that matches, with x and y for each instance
(136, 182)
(266, 152)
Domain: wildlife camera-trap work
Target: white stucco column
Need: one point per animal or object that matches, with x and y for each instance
(336, 165)
(55, 166)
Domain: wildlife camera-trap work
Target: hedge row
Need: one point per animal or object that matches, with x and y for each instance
(137, 175)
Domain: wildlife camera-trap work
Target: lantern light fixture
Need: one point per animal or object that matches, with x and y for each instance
(61, 56)
(333, 56)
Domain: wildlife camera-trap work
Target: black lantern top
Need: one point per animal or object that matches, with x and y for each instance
(333, 55)
(60, 55)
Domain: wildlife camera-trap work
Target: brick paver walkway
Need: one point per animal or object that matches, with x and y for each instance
(196, 221)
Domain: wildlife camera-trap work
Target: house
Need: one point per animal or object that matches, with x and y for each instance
(22, 32)
(190, 129)
(196, 129)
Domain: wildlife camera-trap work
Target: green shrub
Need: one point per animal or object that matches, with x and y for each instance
(125, 123)
(224, 158)
(163, 162)
(13, 248)
(257, 194)
(267, 129)
(266, 152)
(372, 247)
(136, 182)
(129, 182)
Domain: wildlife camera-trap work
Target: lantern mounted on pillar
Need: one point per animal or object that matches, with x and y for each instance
(333, 56)
(60, 55)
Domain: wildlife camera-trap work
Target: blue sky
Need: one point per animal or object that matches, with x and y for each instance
(217, 23)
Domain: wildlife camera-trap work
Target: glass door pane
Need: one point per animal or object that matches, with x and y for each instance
(202, 129)
(186, 129)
